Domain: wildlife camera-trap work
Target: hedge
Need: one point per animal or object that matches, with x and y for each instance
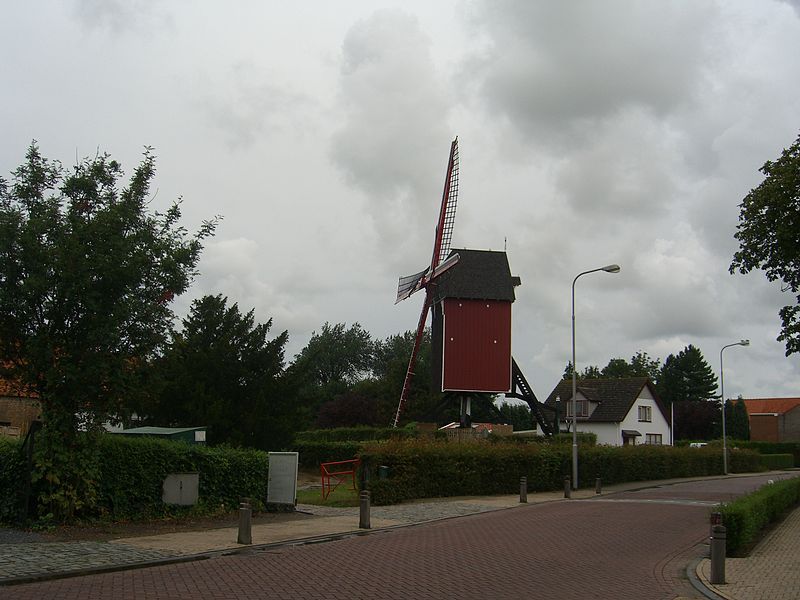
(132, 472)
(424, 469)
(792, 448)
(311, 454)
(775, 462)
(353, 434)
(11, 478)
(745, 517)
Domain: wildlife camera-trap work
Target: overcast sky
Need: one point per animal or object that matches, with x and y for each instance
(590, 133)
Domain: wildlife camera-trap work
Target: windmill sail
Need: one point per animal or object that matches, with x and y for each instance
(439, 263)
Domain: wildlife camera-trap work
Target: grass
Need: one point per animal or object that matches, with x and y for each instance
(342, 496)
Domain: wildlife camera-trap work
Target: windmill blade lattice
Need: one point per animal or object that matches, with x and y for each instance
(441, 248)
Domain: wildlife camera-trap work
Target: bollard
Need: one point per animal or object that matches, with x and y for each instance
(363, 513)
(245, 523)
(718, 540)
(523, 490)
(598, 486)
(567, 487)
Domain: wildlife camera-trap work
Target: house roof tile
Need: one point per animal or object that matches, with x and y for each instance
(614, 397)
(770, 405)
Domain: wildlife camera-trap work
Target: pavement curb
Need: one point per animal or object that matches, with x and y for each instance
(697, 583)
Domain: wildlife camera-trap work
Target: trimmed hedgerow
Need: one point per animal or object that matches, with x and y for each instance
(11, 478)
(746, 517)
(423, 469)
(132, 473)
(792, 448)
(353, 434)
(777, 461)
(311, 454)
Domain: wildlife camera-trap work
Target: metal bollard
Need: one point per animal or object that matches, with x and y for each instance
(245, 523)
(523, 490)
(719, 537)
(363, 513)
(598, 486)
(567, 487)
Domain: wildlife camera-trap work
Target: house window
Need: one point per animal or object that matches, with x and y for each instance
(582, 407)
(645, 414)
(653, 438)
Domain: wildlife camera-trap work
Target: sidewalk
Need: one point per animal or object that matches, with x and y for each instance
(772, 571)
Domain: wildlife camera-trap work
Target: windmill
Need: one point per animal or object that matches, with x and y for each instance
(470, 293)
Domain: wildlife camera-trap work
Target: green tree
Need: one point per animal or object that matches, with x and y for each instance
(686, 377)
(87, 274)
(517, 415)
(332, 362)
(769, 220)
(223, 372)
(640, 365)
(736, 420)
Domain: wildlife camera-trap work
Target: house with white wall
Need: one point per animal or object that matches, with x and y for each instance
(618, 411)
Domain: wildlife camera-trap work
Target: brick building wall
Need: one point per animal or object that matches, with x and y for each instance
(791, 426)
(18, 413)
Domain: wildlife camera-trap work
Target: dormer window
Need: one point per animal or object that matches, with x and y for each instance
(581, 406)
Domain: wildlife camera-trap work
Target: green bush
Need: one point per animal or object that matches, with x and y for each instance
(311, 454)
(792, 448)
(423, 469)
(354, 434)
(132, 472)
(777, 461)
(747, 516)
(11, 478)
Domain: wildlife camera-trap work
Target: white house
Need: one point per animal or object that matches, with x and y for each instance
(618, 411)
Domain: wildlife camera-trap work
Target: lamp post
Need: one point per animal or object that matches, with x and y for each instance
(722, 395)
(607, 269)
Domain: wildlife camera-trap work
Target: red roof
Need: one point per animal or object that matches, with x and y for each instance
(770, 405)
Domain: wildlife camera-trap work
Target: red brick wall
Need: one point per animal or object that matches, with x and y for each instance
(764, 428)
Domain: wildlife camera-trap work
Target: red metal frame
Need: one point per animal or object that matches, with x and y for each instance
(338, 476)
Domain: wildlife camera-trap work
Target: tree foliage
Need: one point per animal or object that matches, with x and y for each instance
(222, 371)
(769, 221)
(87, 274)
(640, 365)
(686, 377)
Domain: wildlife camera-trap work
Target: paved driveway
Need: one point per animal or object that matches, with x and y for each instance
(629, 545)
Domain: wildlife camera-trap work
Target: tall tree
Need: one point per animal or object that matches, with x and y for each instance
(686, 377)
(769, 220)
(223, 372)
(87, 274)
(332, 362)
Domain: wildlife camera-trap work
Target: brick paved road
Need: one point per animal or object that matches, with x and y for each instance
(633, 545)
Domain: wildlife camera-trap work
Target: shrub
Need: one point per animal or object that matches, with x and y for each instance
(777, 461)
(422, 469)
(11, 478)
(792, 448)
(746, 517)
(353, 434)
(311, 454)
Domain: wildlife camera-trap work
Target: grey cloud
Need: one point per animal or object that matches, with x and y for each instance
(393, 143)
(246, 106)
(122, 15)
(555, 65)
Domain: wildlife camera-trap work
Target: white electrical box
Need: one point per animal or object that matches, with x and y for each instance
(282, 483)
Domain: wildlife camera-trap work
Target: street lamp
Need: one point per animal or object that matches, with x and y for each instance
(607, 269)
(722, 395)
